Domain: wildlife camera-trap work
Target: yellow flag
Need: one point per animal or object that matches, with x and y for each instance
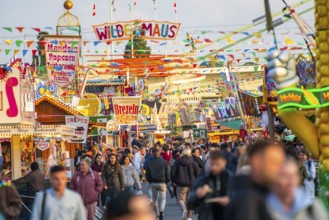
(258, 34)
(15, 52)
(119, 42)
(230, 40)
(256, 60)
(8, 42)
(289, 41)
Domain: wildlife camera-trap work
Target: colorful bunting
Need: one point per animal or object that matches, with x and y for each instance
(20, 29)
(29, 43)
(15, 52)
(36, 29)
(24, 52)
(230, 40)
(258, 35)
(18, 43)
(7, 51)
(8, 29)
(289, 41)
(8, 42)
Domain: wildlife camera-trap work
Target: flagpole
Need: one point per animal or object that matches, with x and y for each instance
(175, 4)
(111, 20)
(155, 9)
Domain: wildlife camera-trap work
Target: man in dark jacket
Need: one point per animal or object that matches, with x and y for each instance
(183, 175)
(210, 191)
(34, 180)
(266, 159)
(196, 152)
(157, 175)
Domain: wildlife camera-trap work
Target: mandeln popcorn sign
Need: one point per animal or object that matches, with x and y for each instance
(62, 57)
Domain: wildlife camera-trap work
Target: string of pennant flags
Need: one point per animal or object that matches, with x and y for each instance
(229, 40)
(257, 34)
(251, 54)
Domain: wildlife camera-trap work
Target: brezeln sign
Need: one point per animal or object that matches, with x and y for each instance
(301, 98)
(123, 30)
(126, 110)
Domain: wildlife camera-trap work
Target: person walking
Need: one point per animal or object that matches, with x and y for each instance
(10, 202)
(266, 159)
(196, 157)
(89, 185)
(34, 180)
(130, 175)
(137, 159)
(309, 174)
(98, 164)
(290, 201)
(210, 191)
(183, 175)
(157, 175)
(58, 202)
(112, 177)
(166, 154)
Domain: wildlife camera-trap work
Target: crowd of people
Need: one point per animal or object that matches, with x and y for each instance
(240, 180)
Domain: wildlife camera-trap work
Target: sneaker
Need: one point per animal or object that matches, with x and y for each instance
(184, 215)
(161, 215)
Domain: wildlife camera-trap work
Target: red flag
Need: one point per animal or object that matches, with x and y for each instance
(34, 52)
(94, 9)
(135, 2)
(36, 29)
(231, 56)
(175, 7)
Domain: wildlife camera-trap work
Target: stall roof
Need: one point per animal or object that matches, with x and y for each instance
(58, 104)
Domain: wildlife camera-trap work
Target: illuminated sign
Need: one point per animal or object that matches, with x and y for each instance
(296, 97)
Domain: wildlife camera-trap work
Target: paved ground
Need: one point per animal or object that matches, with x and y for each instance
(172, 211)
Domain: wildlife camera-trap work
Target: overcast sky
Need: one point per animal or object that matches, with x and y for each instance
(194, 15)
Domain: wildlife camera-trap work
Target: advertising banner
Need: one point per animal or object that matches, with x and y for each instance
(62, 57)
(126, 109)
(81, 127)
(122, 30)
(10, 95)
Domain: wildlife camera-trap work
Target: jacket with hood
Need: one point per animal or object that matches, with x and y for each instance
(130, 176)
(89, 186)
(304, 208)
(184, 171)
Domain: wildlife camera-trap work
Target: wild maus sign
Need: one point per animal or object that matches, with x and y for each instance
(123, 30)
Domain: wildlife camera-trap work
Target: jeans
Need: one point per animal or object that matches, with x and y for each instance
(182, 193)
(149, 192)
(159, 190)
(129, 189)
